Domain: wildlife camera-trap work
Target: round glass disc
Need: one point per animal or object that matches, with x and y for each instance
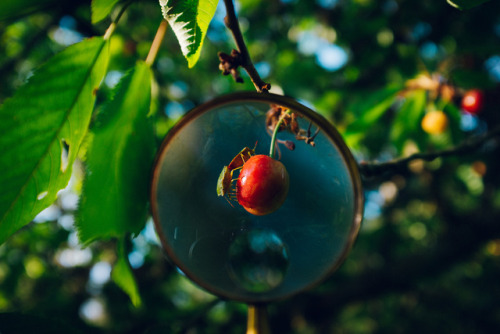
(222, 247)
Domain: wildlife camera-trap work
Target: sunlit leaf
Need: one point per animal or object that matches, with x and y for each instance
(115, 191)
(123, 276)
(466, 4)
(42, 128)
(101, 9)
(189, 20)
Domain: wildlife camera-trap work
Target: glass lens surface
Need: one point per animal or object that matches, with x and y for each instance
(229, 251)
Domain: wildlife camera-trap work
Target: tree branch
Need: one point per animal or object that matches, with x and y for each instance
(371, 169)
(241, 57)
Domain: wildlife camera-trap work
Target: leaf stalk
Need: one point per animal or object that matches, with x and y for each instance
(155, 46)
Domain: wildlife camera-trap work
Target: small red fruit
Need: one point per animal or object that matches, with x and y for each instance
(262, 185)
(472, 101)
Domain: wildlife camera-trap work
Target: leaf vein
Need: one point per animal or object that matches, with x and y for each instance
(35, 169)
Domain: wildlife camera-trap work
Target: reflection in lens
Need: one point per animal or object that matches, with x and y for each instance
(258, 260)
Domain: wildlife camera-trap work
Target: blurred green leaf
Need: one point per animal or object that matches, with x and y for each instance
(189, 20)
(123, 276)
(369, 109)
(101, 9)
(407, 121)
(455, 117)
(115, 191)
(465, 4)
(42, 128)
(12, 9)
(468, 79)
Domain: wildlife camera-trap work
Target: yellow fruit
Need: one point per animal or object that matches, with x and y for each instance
(435, 122)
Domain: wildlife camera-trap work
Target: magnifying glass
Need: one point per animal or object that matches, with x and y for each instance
(225, 249)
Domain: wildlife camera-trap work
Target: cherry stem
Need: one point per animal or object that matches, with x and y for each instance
(155, 46)
(114, 22)
(275, 133)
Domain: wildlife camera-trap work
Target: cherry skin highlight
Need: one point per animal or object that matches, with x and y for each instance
(262, 185)
(473, 100)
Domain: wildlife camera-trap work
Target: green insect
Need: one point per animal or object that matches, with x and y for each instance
(225, 181)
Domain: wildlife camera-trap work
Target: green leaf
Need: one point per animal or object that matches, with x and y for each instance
(370, 109)
(101, 9)
(469, 79)
(42, 128)
(465, 4)
(115, 191)
(408, 119)
(455, 119)
(123, 276)
(13, 9)
(189, 20)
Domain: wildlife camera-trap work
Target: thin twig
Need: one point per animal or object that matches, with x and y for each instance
(371, 169)
(245, 61)
(114, 22)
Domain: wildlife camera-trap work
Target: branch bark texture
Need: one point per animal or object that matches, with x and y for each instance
(240, 57)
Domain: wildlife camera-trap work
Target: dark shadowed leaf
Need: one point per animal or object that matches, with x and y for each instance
(12, 9)
(16, 323)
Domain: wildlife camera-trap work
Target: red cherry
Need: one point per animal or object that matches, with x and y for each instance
(472, 101)
(262, 185)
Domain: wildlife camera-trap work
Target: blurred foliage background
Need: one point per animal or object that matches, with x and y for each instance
(428, 255)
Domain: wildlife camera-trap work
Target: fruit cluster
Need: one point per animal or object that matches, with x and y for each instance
(436, 121)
